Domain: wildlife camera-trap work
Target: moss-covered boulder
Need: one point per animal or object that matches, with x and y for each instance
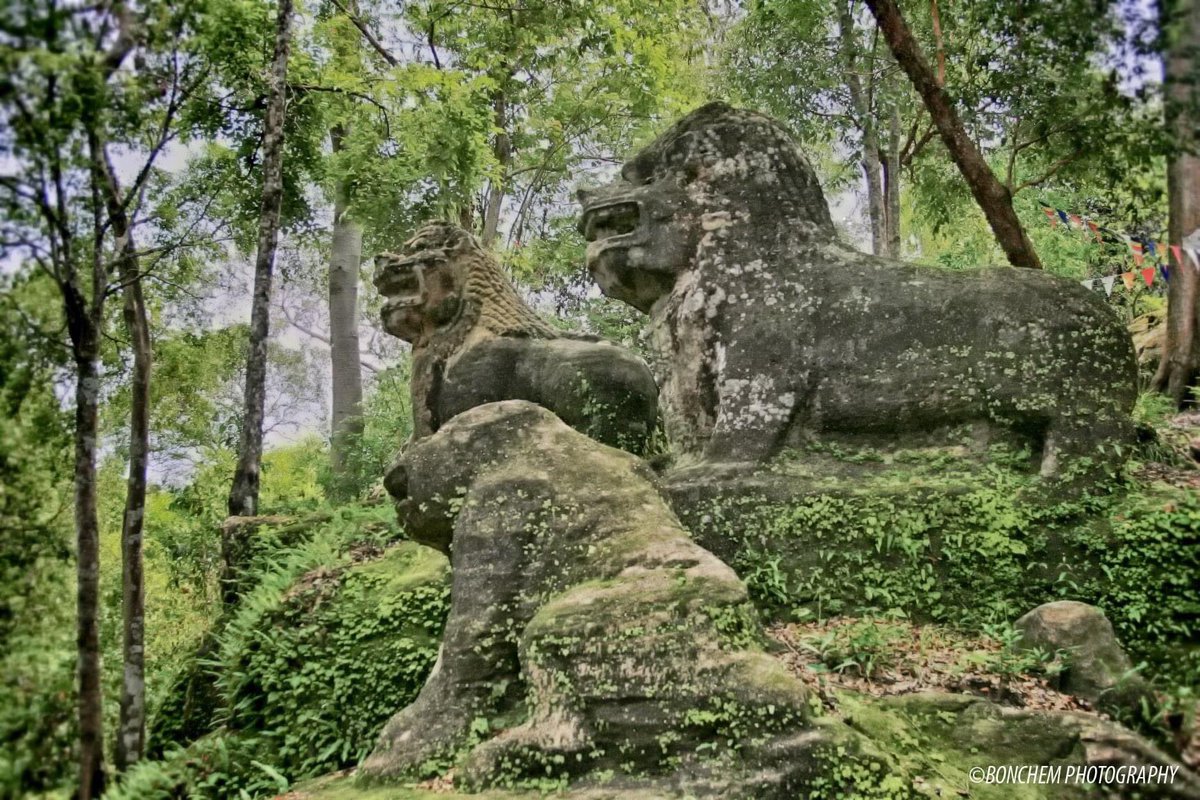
(315, 670)
(300, 676)
(923, 745)
(1097, 667)
(955, 745)
(938, 535)
(587, 633)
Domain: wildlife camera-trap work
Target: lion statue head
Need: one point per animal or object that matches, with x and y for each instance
(444, 284)
(717, 170)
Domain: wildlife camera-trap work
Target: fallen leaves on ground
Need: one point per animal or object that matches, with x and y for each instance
(917, 659)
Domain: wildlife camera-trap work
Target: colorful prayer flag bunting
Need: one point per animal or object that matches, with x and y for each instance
(1166, 273)
(1089, 283)
(1128, 278)
(1136, 248)
(1095, 230)
(1178, 255)
(1148, 275)
(1052, 217)
(1108, 281)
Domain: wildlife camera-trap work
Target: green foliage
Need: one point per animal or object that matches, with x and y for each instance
(864, 646)
(221, 765)
(36, 614)
(317, 667)
(1147, 557)
(387, 423)
(1012, 660)
(976, 552)
(339, 631)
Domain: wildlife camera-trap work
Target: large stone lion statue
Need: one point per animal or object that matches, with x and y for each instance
(587, 631)
(475, 341)
(770, 333)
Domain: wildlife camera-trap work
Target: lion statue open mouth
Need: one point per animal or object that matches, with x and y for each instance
(770, 334)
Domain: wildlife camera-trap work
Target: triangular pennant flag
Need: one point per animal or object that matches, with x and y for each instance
(1063, 216)
(1166, 273)
(1052, 217)
(1076, 220)
(1095, 230)
(1161, 250)
(1178, 255)
(1148, 247)
(1108, 282)
(1148, 275)
(1128, 278)
(1136, 248)
(1089, 283)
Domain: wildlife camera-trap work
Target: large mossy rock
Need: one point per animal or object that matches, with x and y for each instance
(922, 745)
(941, 536)
(941, 745)
(315, 670)
(329, 637)
(588, 634)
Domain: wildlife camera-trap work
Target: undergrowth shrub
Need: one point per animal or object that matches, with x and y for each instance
(974, 553)
(338, 633)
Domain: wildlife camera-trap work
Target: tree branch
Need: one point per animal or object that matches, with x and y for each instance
(372, 40)
(308, 87)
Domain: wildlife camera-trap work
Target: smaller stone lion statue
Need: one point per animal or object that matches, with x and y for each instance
(475, 341)
(771, 334)
(587, 631)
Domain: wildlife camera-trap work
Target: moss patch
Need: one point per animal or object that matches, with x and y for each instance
(934, 538)
(336, 635)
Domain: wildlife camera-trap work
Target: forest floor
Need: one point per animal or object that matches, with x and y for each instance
(891, 657)
(1179, 446)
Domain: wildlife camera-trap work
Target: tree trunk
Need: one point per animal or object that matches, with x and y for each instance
(502, 148)
(243, 494)
(991, 195)
(344, 260)
(1179, 369)
(131, 737)
(865, 114)
(891, 183)
(85, 347)
(131, 732)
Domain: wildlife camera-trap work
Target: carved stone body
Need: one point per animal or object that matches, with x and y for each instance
(475, 341)
(769, 333)
(587, 631)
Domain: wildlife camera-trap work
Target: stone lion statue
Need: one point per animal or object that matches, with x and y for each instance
(769, 333)
(475, 341)
(587, 631)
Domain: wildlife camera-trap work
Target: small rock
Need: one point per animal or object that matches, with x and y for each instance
(1097, 668)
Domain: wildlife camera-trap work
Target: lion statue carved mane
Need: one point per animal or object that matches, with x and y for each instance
(475, 341)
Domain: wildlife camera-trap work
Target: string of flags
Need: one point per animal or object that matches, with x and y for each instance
(1140, 248)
